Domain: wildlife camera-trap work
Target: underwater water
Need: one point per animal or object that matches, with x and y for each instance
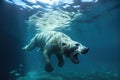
(94, 23)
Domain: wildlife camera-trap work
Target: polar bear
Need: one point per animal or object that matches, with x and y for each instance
(58, 43)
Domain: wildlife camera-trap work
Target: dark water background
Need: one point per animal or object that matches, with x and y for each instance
(99, 29)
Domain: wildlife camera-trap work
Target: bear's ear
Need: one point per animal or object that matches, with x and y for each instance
(63, 44)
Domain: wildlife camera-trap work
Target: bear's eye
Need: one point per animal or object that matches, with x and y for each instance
(63, 44)
(77, 44)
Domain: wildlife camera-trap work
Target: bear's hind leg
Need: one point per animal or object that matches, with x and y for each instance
(48, 66)
(60, 60)
(30, 46)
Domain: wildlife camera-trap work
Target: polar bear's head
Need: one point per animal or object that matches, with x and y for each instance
(73, 49)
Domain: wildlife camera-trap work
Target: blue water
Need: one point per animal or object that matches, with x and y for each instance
(97, 28)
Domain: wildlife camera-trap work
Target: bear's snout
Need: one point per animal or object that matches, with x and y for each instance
(85, 50)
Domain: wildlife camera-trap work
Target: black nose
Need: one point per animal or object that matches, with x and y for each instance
(85, 50)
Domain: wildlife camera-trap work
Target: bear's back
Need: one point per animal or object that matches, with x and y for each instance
(43, 37)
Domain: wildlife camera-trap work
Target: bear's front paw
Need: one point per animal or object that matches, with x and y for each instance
(48, 68)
